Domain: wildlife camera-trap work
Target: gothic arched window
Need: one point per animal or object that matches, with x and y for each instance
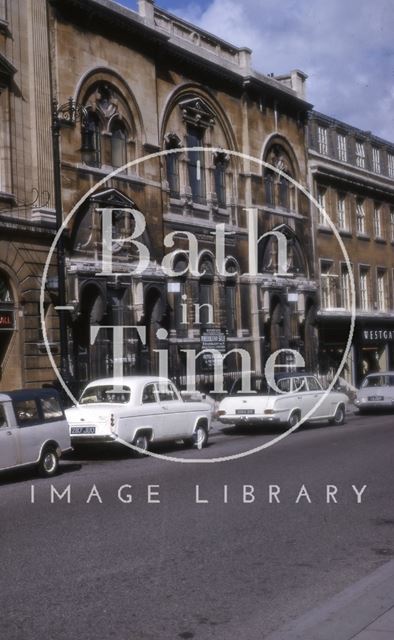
(172, 164)
(118, 144)
(91, 143)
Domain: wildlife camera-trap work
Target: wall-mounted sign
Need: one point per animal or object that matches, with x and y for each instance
(377, 335)
(213, 338)
(7, 320)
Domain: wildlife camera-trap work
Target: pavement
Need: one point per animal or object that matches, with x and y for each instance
(363, 611)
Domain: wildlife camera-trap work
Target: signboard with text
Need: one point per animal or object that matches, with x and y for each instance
(7, 320)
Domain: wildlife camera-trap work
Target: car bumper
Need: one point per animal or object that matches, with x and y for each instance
(371, 405)
(93, 439)
(250, 420)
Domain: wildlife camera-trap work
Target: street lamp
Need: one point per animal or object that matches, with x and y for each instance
(67, 114)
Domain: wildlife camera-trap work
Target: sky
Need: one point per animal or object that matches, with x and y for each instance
(345, 46)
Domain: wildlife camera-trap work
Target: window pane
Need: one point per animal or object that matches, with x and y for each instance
(220, 184)
(51, 408)
(3, 419)
(196, 166)
(26, 411)
(118, 146)
(149, 396)
(92, 141)
(172, 165)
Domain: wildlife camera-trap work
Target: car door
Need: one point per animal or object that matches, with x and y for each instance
(315, 394)
(8, 442)
(151, 411)
(175, 421)
(300, 395)
(30, 432)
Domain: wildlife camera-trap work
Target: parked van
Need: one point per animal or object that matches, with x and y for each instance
(33, 430)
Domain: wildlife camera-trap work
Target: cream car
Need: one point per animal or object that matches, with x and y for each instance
(299, 396)
(139, 410)
(33, 430)
(376, 392)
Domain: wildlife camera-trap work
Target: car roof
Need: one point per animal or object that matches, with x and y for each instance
(28, 394)
(283, 374)
(380, 373)
(126, 380)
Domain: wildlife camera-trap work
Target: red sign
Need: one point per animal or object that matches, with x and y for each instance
(7, 319)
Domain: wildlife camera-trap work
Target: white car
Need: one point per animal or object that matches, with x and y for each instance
(376, 392)
(33, 430)
(299, 395)
(139, 410)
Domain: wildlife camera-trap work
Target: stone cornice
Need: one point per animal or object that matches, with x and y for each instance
(232, 69)
(324, 166)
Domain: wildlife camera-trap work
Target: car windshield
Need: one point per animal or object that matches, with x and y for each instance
(107, 393)
(378, 381)
(260, 386)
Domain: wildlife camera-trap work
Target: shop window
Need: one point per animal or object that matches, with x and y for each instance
(118, 145)
(196, 164)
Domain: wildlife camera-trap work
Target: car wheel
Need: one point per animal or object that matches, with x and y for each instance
(49, 463)
(200, 437)
(339, 417)
(294, 419)
(141, 441)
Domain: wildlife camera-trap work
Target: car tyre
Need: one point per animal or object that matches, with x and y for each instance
(200, 437)
(49, 463)
(141, 441)
(339, 416)
(294, 418)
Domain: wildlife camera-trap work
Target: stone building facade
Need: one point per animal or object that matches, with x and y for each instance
(178, 131)
(26, 209)
(352, 176)
(150, 82)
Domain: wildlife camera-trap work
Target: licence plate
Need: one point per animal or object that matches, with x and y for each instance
(374, 398)
(79, 430)
(244, 412)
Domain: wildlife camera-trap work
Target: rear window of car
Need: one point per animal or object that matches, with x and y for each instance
(378, 381)
(258, 386)
(108, 394)
(51, 409)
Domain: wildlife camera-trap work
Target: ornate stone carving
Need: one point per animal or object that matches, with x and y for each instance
(197, 113)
